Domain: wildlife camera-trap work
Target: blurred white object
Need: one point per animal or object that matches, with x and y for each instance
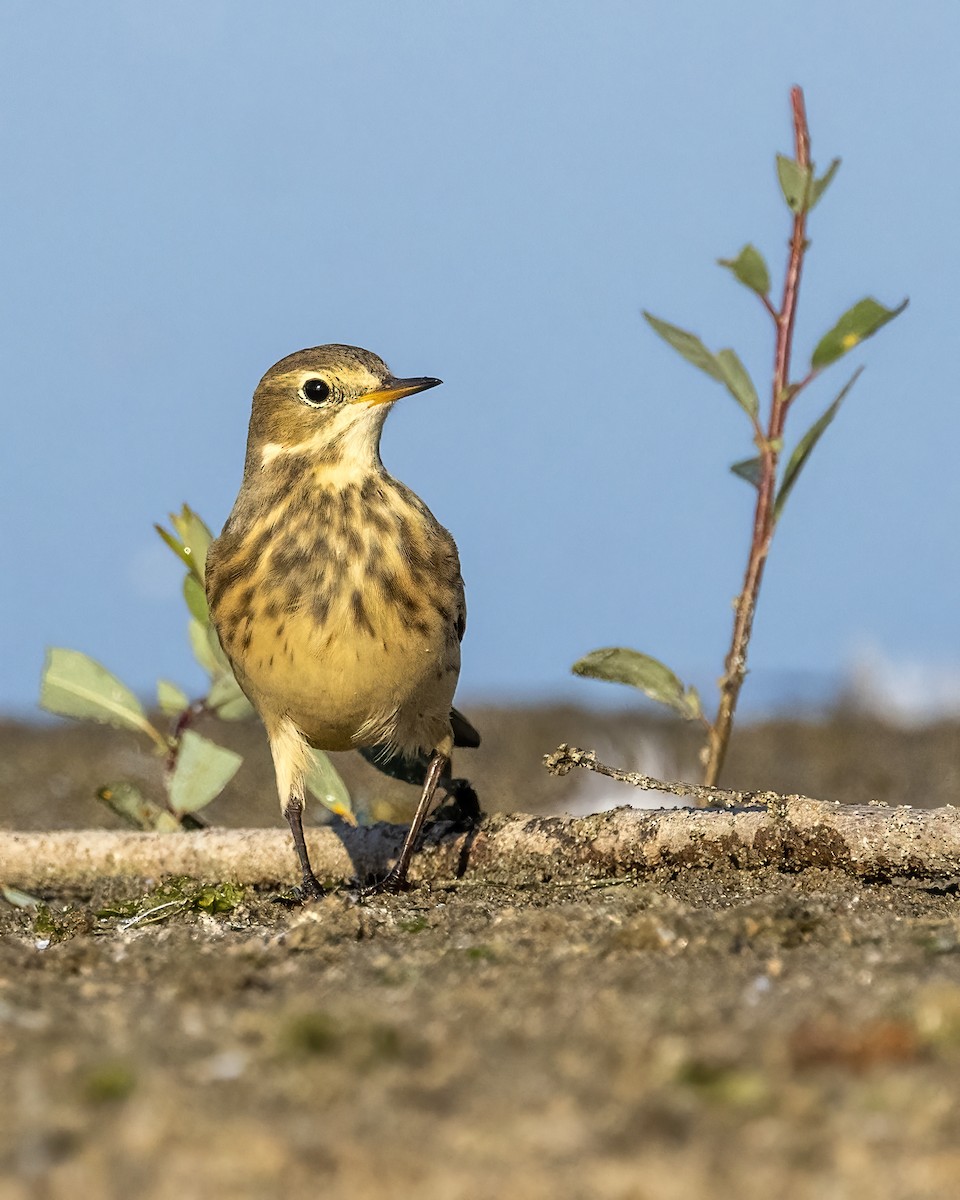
(904, 690)
(647, 755)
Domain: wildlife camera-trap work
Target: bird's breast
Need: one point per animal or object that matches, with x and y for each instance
(340, 613)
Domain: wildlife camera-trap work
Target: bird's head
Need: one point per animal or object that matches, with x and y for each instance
(328, 404)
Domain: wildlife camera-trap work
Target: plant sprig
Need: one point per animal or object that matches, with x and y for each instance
(196, 769)
(764, 470)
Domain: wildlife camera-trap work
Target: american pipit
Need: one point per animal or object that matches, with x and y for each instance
(336, 593)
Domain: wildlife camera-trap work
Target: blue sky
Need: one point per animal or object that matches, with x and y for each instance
(490, 194)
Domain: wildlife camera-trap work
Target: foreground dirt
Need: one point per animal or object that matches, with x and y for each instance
(687, 1035)
(697, 1036)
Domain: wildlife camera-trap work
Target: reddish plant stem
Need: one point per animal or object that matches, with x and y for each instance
(735, 664)
(182, 724)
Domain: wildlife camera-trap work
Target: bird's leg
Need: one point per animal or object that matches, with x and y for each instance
(396, 877)
(310, 888)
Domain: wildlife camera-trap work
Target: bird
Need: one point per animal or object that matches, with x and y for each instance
(335, 593)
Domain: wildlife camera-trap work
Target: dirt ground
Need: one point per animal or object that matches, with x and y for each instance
(688, 1035)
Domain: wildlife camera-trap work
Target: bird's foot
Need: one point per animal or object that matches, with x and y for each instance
(310, 889)
(390, 884)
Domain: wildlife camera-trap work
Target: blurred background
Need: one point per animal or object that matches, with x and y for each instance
(487, 193)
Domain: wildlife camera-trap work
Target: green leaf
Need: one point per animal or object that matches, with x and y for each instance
(856, 325)
(207, 649)
(195, 597)
(202, 650)
(795, 183)
(649, 675)
(175, 545)
(688, 345)
(819, 186)
(219, 898)
(806, 444)
(325, 783)
(739, 384)
(130, 804)
(195, 537)
(227, 700)
(19, 899)
(750, 268)
(189, 541)
(725, 367)
(173, 896)
(203, 770)
(748, 469)
(75, 685)
(171, 699)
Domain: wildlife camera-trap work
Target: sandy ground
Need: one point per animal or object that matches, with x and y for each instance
(696, 1034)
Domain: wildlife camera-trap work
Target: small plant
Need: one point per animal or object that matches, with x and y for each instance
(196, 768)
(802, 189)
(173, 897)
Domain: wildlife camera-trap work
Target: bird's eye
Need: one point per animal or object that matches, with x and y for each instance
(315, 392)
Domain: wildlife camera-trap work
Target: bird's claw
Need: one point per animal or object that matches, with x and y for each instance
(311, 889)
(391, 885)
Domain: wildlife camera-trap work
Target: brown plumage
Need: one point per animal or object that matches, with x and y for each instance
(336, 593)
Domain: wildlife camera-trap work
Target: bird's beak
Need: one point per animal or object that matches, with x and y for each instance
(396, 389)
